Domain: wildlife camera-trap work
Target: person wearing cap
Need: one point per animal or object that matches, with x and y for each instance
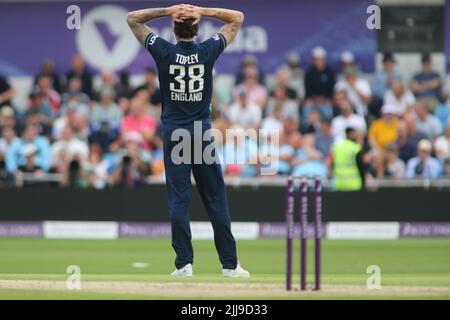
(6, 92)
(319, 79)
(357, 89)
(8, 120)
(424, 166)
(79, 70)
(347, 117)
(294, 73)
(427, 83)
(347, 59)
(37, 104)
(248, 61)
(383, 78)
(383, 132)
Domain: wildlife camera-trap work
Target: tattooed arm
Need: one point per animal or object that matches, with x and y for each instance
(137, 19)
(233, 19)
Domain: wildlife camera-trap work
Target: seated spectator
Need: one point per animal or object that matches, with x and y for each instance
(346, 119)
(103, 136)
(34, 118)
(280, 95)
(6, 177)
(96, 169)
(442, 144)
(106, 110)
(49, 95)
(123, 87)
(283, 80)
(7, 138)
(151, 85)
(383, 132)
(324, 137)
(74, 93)
(48, 69)
(347, 60)
(6, 92)
(405, 142)
(427, 124)
(30, 166)
(403, 100)
(442, 112)
(292, 76)
(248, 61)
(395, 167)
(427, 83)
(71, 146)
(244, 112)
(357, 90)
(8, 120)
(424, 166)
(256, 92)
(138, 120)
(39, 105)
(80, 71)
(16, 156)
(108, 80)
(77, 119)
(446, 170)
(308, 161)
(274, 121)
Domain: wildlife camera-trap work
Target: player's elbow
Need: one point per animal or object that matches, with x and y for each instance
(131, 18)
(240, 17)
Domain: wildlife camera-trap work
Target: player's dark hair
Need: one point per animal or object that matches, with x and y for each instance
(186, 29)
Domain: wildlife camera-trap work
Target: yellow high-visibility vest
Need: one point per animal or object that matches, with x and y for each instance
(346, 172)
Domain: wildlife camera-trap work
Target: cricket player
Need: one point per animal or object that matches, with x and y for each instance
(185, 76)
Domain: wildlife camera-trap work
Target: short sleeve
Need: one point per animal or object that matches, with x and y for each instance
(215, 46)
(157, 46)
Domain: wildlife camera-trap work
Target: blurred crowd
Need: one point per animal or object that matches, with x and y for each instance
(110, 134)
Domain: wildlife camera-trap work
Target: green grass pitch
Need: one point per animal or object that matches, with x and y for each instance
(36, 269)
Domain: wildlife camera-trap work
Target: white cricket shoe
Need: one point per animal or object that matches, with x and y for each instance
(185, 272)
(239, 272)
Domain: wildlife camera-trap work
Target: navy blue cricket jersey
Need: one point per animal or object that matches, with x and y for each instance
(185, 76)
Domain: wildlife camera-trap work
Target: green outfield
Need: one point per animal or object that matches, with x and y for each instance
(36, 269)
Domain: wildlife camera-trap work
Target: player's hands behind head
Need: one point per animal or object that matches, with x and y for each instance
(187, 11)
(175, 12)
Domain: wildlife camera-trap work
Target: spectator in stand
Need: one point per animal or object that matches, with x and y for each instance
(240, 153)
(8, 120)
(399, 97)
(442, 144)
(446, 170)
(319, 85)
(357, 90)
(7, 138)
(283, 80)
(256, 92)
(6, 178)
(48, 69)
(346, 119)
(427, 124)
(151, 85)
(347, 61)
(39, 105)
(76, 119)
(106, 110)
(406, 143)
(123, 87)
(308, 161)
(424, 166)
(324, 137)
(382, 81)
(248, 61)
(80, 71)
(29, 166)
(16, 157)
(96, 169)
(70, 145)
(49, 95)
(245, 113)
(6, 92)
(274, 121)
(74, 93)
(395, 167)
(108, 80)
(138, 120)
(292, 76)
(280, 95)
(442, 112)
(427, 83)
(383, 132)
